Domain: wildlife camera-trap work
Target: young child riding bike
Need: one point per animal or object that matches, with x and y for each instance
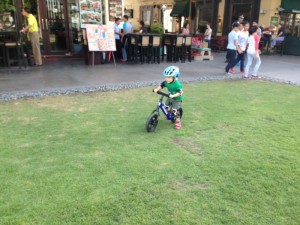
(175, 88)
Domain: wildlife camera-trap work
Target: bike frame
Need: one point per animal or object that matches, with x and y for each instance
(164, 108)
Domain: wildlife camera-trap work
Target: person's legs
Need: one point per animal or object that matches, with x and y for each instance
(176, 105)
(242, 57)
(249, 62)
(208, 43)
(227, 56)
(124, 49)
(35, 43)
(238, 58)
(278, 39)
(257, 65)
(231, 58)
(119, 49)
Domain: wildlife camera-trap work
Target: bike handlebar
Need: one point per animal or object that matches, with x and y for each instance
(163, 94)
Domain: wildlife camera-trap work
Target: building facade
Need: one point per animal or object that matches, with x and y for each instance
(220, 13)
(61, 21)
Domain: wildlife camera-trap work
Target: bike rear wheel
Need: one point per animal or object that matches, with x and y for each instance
(152, 122)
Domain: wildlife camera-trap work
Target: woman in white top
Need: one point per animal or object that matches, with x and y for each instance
(207, 34)
(253, 53)
(243, 35)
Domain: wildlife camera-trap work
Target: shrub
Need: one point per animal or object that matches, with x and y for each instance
(157, 28)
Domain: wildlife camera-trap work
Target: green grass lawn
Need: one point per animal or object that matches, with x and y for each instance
(87, 159)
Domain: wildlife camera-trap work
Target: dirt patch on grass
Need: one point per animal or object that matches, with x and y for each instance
(56, 135)
(100, 154)
(27, 120)
(184, 185)
(23, 145)
(189, 145)
(4, 119)
(65, 104)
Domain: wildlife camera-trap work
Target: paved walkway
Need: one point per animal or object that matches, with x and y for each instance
(71, 73)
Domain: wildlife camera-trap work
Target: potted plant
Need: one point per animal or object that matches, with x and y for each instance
(157, 28)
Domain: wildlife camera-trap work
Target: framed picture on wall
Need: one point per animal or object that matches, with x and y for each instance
(274, 21)
(129, 12)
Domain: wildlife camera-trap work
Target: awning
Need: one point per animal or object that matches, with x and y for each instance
(290, 6)
(181, 8)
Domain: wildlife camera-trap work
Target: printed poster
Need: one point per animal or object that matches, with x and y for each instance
(101, 37)
(115, 9)
(90, 12)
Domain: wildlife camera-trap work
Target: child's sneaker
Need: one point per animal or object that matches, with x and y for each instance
(243, 72)
(255, 77)
(231, 70)
(246, 77)
(177, 125)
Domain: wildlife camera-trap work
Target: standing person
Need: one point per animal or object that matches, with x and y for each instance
(143, 29)
(232, 47)
(33, 29)
(127, 29)
(207, 34)
(280, 35)
(118, 52)
(242, 43)
(175, 88)
(259, 31)
(186, 28)
(239, 21)
(253, 53)
(267, 36)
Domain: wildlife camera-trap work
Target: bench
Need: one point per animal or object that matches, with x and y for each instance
(202, 53)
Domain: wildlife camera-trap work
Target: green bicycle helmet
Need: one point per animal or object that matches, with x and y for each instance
(171, 71)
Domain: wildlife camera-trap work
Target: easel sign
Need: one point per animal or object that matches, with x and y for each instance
(101, 38)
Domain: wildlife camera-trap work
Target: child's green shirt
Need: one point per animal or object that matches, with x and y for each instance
(173, 88)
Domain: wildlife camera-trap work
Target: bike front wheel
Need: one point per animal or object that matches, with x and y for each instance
(152, 122)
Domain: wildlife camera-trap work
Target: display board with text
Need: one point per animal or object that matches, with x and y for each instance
(101, 37)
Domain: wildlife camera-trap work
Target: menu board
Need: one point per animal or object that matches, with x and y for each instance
(90, 12)
(101, 37)
(115, 9)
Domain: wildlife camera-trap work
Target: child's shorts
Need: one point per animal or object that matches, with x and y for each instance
(174, 104)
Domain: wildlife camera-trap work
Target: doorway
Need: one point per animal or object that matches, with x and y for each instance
(53, 25)
(241, 9)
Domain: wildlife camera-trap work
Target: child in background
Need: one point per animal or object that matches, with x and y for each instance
(232, 47)
(207, 35)
(253, 53)
(242, 43)
(175, 88)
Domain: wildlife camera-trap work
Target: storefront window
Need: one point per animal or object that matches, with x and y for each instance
(74, 15)
(292, 24)
(204, 14)
(146, 14)
(7, 15)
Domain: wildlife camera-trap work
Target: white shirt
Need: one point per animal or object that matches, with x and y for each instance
(208, 31)
(243, 39)
(232, 36)
(117, 30)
